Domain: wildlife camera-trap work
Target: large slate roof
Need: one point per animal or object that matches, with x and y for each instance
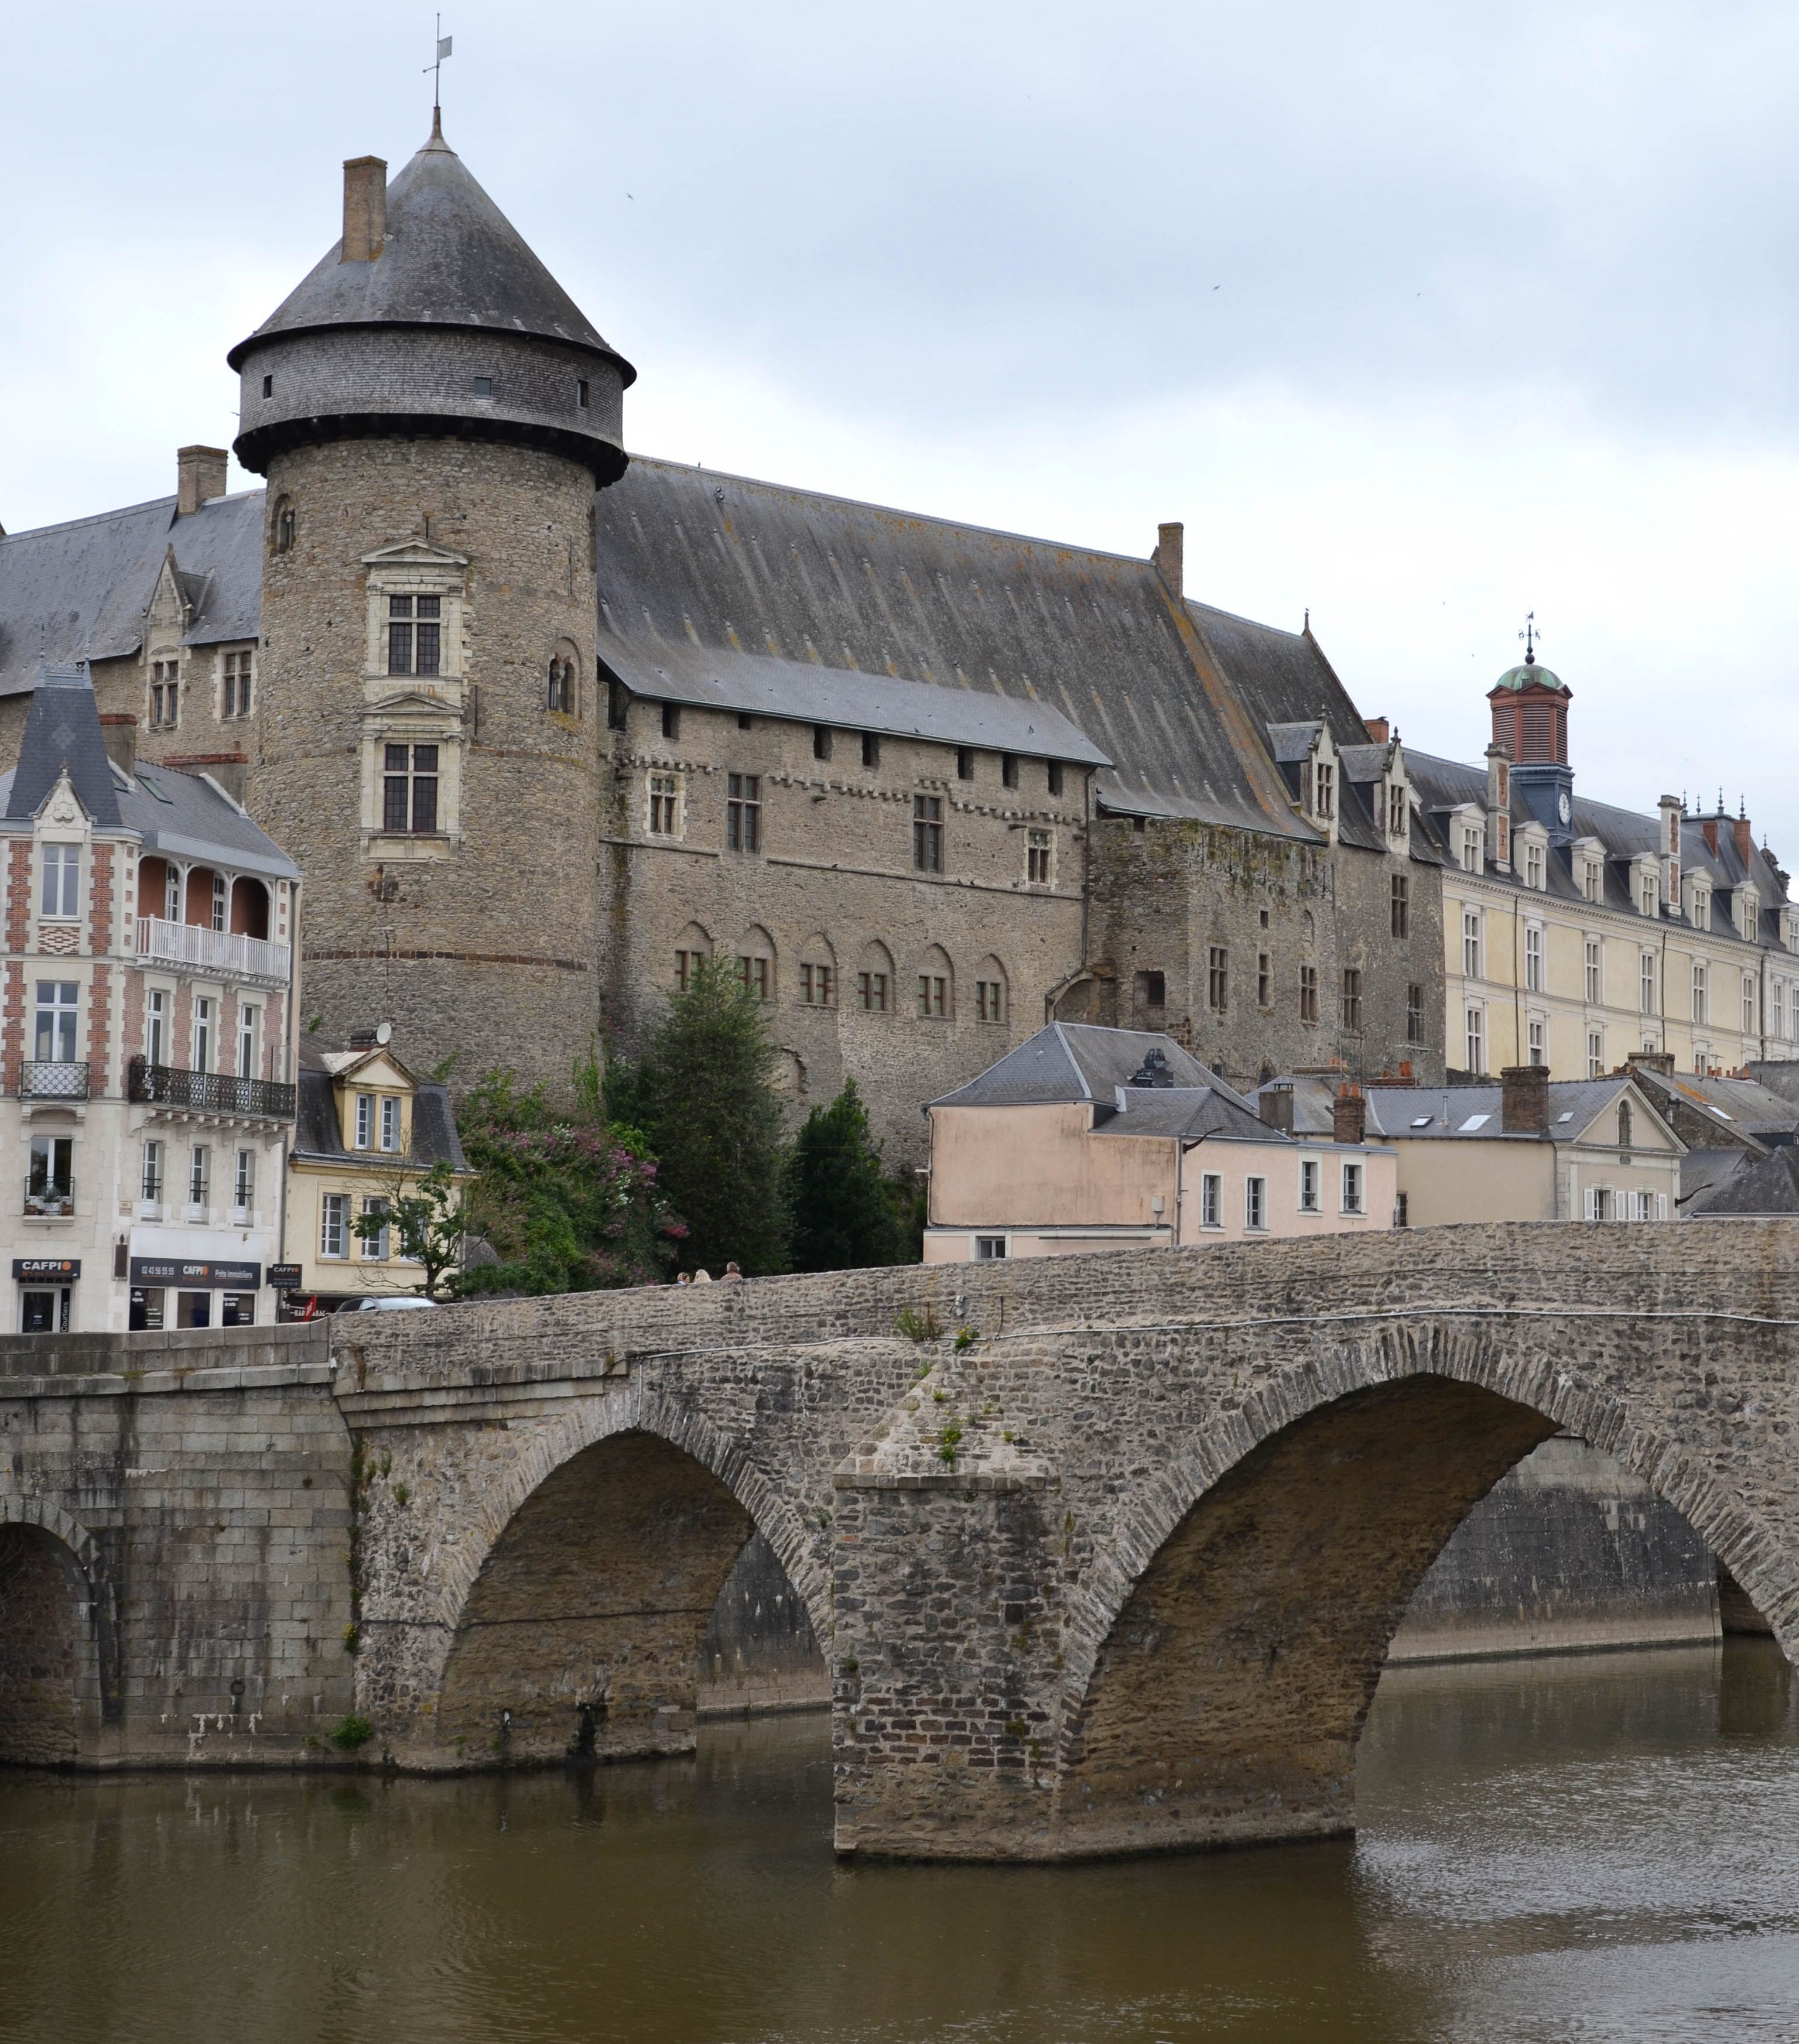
(451, 258)
(692, 558)
(80, 591)
(1764, 1185)
(1742, 1107)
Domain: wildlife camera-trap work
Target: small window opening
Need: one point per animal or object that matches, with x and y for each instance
(870, 749)
(965, 762)
(743, 720)
(671, 721)
(268, 386)
(1008, 770)
(484, 386)
(581, 393)
(1054, 776)
(822, 741)
(617, 698)
(1152, 989)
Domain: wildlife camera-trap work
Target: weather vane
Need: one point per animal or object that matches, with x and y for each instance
(435, 69)
(1531, 638)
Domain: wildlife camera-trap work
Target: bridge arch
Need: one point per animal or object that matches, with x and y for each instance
(1219, 1674)
(575, 1614)
(52, 1600)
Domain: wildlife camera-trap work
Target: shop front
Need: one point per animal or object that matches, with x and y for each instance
(193, 1291)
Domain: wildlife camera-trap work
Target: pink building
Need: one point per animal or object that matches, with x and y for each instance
(1085, 1138)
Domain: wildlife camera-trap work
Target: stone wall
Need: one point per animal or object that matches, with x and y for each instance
(1167, 893)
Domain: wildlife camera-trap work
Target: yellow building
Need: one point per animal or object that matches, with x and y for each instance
(367, 1131)
(1576, 934)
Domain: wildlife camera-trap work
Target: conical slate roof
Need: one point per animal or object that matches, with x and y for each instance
(450, 258)
(62, 735)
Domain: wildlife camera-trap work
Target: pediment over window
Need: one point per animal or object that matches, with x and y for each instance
(415, 554)
(412, 701)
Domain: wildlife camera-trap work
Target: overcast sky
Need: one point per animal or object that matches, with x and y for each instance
(1422, 315)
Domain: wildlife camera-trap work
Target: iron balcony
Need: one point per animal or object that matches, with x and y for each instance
(209, 1092)
(54, 1078)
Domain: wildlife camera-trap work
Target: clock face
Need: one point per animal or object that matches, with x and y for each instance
(1564, 807)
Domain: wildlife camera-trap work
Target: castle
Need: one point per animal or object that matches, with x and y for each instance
(543, 725)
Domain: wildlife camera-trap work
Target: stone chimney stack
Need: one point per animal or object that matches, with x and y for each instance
(118, 732)
(1275, 1104)
(1349, 1116)
(1171, 542)
(1523, 1100)
(199, 473)
(365, 208)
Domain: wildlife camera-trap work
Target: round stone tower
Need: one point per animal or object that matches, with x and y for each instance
(434, 414)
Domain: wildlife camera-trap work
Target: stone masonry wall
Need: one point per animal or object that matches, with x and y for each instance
(834, 884)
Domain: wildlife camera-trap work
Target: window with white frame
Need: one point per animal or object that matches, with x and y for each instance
(1255, 1203)
(1642, 1205)
(1596, 1054)
(374, 1244)
(1211, 1199)
(410, 779)
(1476, 1037)
(1600, 1205)
(61, 893)
(56, 1021)
(989, 1248)
(363, 1122)
(1595, 969)
(390, 1122)
(1535, 864)
(157, 1026)
(243, 1183)
(334, 1227)
(1649, 891)
(1748, 1004)
(1594, 880)
(150, 1185)
(1397, 820)
(1472, 861)
(248, 1015)
(1533, 958)
(1700, 990)
(1701, 907)
(200, 1177)
(206, 1031)
(1645, 982)
(1534, 1037)
(1038, 849)
(1323, 783)
(1471, 943)
(1352, 1189)
(221, 901)
(1309, 1176)
(1779, 1029)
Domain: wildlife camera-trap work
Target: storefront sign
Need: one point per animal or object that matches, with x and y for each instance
(40, 1268)
(284, 1277)
(195, 1276)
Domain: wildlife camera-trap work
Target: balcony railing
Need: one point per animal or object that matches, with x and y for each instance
(49, 1199)
(53, 1079)
(209, 1092)
(216, 950)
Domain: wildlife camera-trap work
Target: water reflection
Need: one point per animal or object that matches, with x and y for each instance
(1598, 1848)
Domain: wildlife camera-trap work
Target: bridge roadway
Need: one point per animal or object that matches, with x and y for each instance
(1104, 1552)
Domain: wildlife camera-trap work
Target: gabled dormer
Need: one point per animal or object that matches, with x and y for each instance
(1746, 911)
(1586, 867)
(1466, 825)
(1530, 853)
(1696, 900)
(1646, 883)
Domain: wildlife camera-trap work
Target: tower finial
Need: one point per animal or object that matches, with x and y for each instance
(445, 47)
(1530, 635)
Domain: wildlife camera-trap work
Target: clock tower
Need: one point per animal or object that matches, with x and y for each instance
(1530, 722)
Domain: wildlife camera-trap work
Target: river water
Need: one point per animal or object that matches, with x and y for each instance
(1593, 1848)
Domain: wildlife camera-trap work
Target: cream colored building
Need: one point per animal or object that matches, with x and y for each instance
(1576, 934)
(367, 1130)
(1522, 1149)
(1086, 1138)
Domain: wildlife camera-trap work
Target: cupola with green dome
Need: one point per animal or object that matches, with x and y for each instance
(1530, 725)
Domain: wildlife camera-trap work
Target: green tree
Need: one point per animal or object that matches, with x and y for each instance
(429, 1219)
(570, 1201)
(840, 1198)
(705, 1093)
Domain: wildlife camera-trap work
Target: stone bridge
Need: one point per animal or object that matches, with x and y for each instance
(1105, 1553)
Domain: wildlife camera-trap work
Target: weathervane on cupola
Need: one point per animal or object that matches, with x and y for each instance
(1530, 635)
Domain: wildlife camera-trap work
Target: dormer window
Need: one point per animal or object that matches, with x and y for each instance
(1535, 865)
(1595, 874)
(1396, 809)
(1324, 791)
(1649, 895)
(1701, 909)
(1472, 858)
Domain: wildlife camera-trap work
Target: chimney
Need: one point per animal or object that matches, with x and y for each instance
(1349, 1116)
(365, 208)
(1169, 546)
(118, 732)
(1709, 830)
(199, 476)
(1275, 1104)
(1379, 731)
(1745, 835)
(1523, 1100)
(1662, 1062)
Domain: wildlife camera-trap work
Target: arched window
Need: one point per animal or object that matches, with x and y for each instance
(755, 962)
(1624, 1125)
(936, 986)
(281, 525)
(692, 946)
(564, 685)
(877, 992)
(991, 1000)
(249, 908)
(817, 972)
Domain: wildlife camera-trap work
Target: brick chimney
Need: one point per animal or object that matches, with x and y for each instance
(199, 476)
(1745, 835)
(1349, 1116)
(118, 733)
(1523, 1100)
(1276, 1103)
(365, 208)
(1169, 557)
(1379, 731)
